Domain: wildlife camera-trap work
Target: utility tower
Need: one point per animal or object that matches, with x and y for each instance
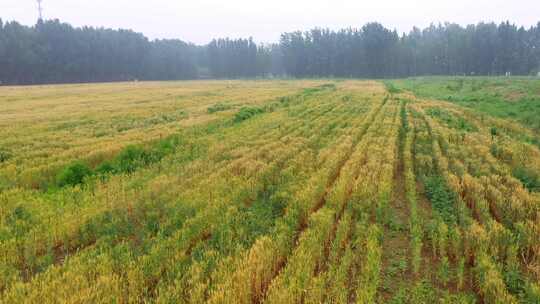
(40, 10)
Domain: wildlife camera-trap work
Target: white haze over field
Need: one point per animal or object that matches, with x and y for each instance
(199, 21)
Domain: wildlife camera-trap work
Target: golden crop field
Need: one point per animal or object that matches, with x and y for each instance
(274, 191)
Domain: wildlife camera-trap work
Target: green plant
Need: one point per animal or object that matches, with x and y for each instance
(451, 120)
(441, 196)
(218, 107)
(391, 88)
(4, 156)
(444, 270)
(131, 158)
(321, 88)
(246, 113)
(73, 174)
(529, 178)
(489, 95)
(532, 293)
(422, 292)
(494, 132)
(514, 281)
(105, 168)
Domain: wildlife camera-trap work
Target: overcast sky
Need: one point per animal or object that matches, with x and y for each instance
(199, 21)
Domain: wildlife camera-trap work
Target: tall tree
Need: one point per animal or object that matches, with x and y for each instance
(54, 52)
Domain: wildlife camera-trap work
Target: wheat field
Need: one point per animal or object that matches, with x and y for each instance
(263, 191)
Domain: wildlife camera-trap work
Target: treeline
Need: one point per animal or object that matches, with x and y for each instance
(449, 49)
(55, 52)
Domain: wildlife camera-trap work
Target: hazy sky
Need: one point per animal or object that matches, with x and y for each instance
(201, 20)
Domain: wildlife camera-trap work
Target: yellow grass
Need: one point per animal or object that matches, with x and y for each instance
(297, 191)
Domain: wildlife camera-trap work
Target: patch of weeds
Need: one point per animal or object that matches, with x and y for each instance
(452, 121)
(133, 157)
(246, 113)
(4, 156)
(105, 168)
(423, 292)
(73, 174)
(444, 271)
(317, 89)
(400, 265)
(164, 118)
(123, 128)
(71, 125)
(271, 107)
(397, 267)
(532, 294)
(346, 98)
(128, 160)
(528, 178)
(514, 281)
(20, 220)
(500, 152)
(442, 197)
(218, 107)
(489, 95)
(494, 132)
(460, 298)
(401, 297)
(391, 88)
(533, 140)
(285, 100)
(100, 133)
(394, 225)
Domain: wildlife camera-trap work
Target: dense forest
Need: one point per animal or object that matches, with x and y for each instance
(56, 52)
